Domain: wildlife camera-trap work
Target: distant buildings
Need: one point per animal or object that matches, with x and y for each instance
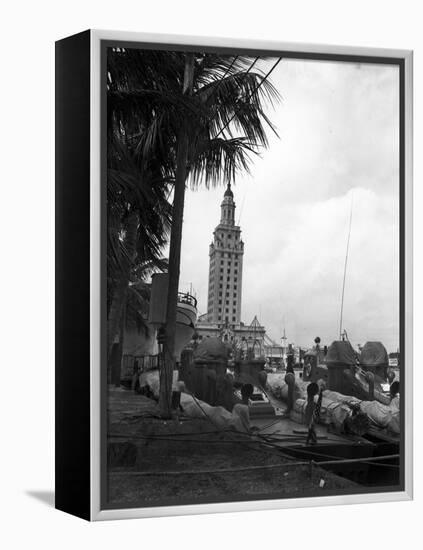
(394, 359)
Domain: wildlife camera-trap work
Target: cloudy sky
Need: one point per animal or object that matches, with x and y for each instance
(338, 145)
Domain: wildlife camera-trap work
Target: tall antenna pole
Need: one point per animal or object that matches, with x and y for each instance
(242, 207)
(345, 268)
(284, 342)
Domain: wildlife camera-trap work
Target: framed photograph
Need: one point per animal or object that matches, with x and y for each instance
(233, 275)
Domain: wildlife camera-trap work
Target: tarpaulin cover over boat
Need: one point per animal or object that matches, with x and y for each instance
(374, 354)
(336, 407)
(211, 349)
(340, 353)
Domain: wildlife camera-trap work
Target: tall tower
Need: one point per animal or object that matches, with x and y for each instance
(225, 270)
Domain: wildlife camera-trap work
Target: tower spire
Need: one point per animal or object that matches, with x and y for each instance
(227, 216)
(228, 192)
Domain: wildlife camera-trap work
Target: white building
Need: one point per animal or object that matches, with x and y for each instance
(225, 270)
(223, 317)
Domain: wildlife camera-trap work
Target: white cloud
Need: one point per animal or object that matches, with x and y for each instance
(339, 132)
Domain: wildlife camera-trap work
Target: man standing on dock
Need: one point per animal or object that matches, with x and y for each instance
(312, 412)
(290, 382)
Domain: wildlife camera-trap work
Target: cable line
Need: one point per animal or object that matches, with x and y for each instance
(345, 269)
(252, 93)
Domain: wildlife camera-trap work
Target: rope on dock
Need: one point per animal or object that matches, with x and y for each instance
(263, 467)
(264, 441)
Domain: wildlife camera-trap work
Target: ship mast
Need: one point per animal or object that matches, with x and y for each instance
(345, 268)
(284, 344)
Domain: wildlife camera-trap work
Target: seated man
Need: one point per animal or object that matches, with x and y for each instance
(241, 412)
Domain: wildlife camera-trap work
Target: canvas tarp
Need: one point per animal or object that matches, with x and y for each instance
(211, 349)
(383, 416)
(341, 353)
(374, 354)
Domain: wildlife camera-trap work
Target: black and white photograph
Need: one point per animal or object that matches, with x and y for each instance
(211, 274)
(253, 343)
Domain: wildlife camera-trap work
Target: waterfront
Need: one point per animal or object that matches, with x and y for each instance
(188, 461)
(253, 317)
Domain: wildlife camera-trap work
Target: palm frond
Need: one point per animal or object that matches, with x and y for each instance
(218, 158)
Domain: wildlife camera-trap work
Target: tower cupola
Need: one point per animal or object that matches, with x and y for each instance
(228, 192)
(227, 216)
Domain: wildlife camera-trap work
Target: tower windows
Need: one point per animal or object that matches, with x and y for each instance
(227, 244)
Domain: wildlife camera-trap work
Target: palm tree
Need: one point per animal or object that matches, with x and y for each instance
(137, 189)
(223, 98)
(186, 117)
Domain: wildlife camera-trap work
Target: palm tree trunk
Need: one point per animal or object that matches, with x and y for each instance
(121, 290)
(166, 373)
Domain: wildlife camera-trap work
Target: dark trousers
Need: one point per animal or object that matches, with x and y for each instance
(311, 436)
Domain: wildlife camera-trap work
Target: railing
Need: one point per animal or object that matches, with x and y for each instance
(186, 298)
(145, 362)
